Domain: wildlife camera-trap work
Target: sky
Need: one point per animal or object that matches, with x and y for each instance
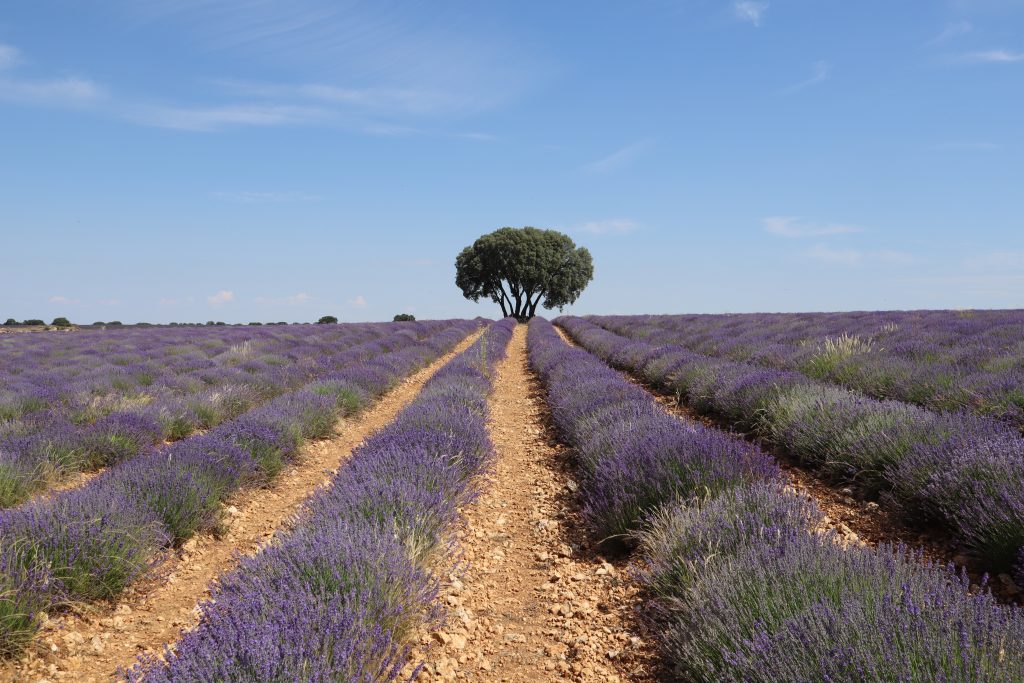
(279, 160)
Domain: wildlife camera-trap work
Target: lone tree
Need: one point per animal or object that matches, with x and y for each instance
(519, 268)
(327, 320)
(404, 318)
(61, 322)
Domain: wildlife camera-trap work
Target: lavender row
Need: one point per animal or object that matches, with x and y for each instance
(90, 543)
(742, 585)
(960, 470)
(66, 410)
(943, 360)
(339, 597)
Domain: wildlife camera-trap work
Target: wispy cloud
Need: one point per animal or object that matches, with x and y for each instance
(997, 56)
(825, 254)
(752, 12)
(795, 227)
(968, 146)
(855, 257)
(206, 119)
(611, 226)
(820, 70)
(997, 260)
(9, 56)
(951, 30)
(65, 92)
(220, 298)
(618, 158)
(358, 302)
(251, 197)
(58, 299)
(299, 299)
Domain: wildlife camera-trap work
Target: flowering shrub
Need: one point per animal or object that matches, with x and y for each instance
(962, 470)
(90, 543)
(743, 586)
(339, 597)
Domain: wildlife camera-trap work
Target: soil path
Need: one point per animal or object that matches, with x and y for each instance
(536, 601)
(92, 642)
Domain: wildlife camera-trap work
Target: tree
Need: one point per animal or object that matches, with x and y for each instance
(327, 320)
(34, 321)
(518, 268)
(61, 322)
(11, 321)
(404, 318)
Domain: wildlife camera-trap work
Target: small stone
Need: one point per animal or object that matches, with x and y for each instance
(441, 637)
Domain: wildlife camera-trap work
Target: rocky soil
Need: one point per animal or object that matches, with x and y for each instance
(536, 600)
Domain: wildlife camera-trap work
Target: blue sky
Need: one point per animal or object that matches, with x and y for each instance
(284, 159)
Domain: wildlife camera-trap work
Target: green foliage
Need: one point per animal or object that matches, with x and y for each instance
(255, 323)
(327, 320)
(10, 321)
(519, 268)
(61, 322)
(34, 321)
(404, 318)
(115, 323)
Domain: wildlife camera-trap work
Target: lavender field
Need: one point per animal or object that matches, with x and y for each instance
(139, 465)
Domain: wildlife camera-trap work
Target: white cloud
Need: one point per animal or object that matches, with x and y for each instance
(997, 260)
(293, 300)
(9, 56)
(221, 297)
(66, 92)
(895, 258)
(611, 226)
(250, 197)
(991, 57)
(60, 300)
(971, 146)
(952, 30)
(750, 11)
(793, 226)
(824, 254)
(618, 158)
(820, 73)
(358, 302)
(855, 257)
(206, 119)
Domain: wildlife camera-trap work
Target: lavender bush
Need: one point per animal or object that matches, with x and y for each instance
(743, 585)
(962, 470)
(95, 540)
(339, 596)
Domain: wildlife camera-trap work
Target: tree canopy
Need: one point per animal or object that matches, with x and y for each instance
(327, 320)
(518, 268)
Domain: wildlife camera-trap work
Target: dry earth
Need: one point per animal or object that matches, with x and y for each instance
(92, 642)
(536, 601)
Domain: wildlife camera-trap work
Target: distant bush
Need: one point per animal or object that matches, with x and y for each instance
(404, 318)
(61, 322)
(10, 321)
(115, 322)
(98, 323)
(255, 323)
(34, 321)
(220, 323)
(326, 320)
(143, 324)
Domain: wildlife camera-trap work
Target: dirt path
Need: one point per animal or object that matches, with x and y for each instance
(91, 643)
(536, 602)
